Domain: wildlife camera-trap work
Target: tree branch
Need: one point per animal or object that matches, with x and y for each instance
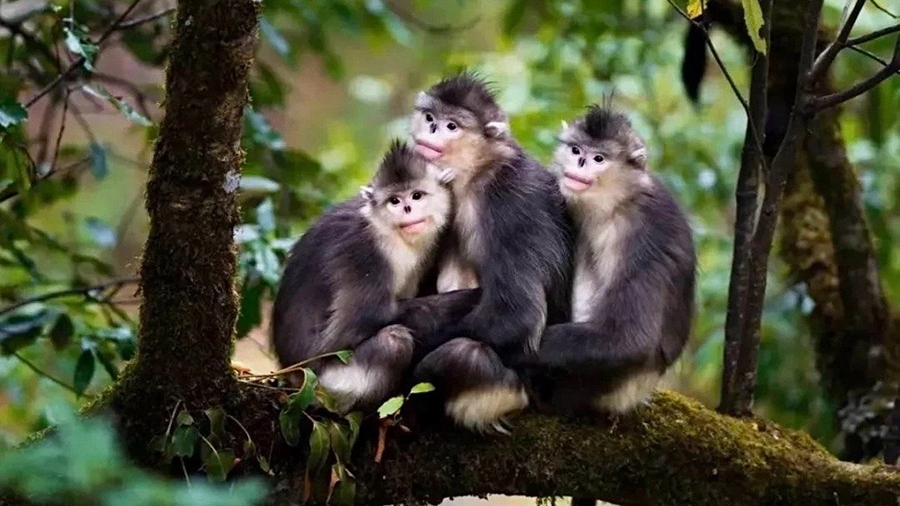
(83, 291)
(826, 58)
(874, 35)
(672, 451)
(870, 56)
(824, 102)
(144, 20)
(882, 9)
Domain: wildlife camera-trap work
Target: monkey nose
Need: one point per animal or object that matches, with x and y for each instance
(433, 127)
(407, 209)
(581, 162)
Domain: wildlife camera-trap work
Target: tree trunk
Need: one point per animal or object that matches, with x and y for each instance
(187, 273)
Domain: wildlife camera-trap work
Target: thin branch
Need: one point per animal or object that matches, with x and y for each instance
(862, 39)
(62, 128)
(40, 372)
(144, 20)
(83, 291)
(826, 58)
(409, 18)
(81, 59)
(10, 193)
(882, 9)
(869, 55)
(824, 102)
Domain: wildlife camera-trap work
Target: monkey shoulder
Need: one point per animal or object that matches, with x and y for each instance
(661, 232)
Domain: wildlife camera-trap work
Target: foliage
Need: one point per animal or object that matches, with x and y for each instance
(80, 463)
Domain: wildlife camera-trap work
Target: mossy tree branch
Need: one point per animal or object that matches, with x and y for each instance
(672, 451)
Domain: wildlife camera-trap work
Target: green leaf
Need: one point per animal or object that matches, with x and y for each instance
(21, 330)
(218, 464)
(753, 18)
(695, 8)
(354, 419)
(11, 113)
(259, 184)
(99, 167)
(183, 440)
(84, 371)
(107, 362)
(513, 17)
(390, 406)
(185, 418)
(289, 421)
(326, 400)
(216, 418)
(62, 331)
(118, 103)
(78, 43)
(102, 234)
(344, 355)
(421, 388)
(340, 441)
(344, 491)
(265, 216)
(261, 131)
(319, 444)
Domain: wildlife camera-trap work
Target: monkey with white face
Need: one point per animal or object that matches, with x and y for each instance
(509, 236)
(633, 288)
(344, 277)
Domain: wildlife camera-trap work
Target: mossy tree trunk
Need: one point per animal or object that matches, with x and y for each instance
(187, 273)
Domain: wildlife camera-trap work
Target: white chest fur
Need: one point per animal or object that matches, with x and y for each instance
(598, 256)
(407, 260)
(457, 269)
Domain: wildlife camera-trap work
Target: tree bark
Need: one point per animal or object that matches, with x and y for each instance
(187, 273)
(671, 451)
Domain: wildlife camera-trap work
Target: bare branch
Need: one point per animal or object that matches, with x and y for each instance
(144, 20)
(862, 39)
(737, 92)
(10, 193)
(81, 59)
(826, 58)
(86, 291)
(819, 103)
(409, 18)
(867, 54)
(882, 9)
(40, 372)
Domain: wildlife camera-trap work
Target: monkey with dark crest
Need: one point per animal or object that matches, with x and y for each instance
(344, 277)
(509, 236)
(633, 287)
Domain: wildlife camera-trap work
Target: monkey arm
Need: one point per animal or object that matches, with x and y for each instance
(431, 319)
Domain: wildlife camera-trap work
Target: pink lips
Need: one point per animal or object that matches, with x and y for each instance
(577, 182)
(428, 151)
(413, 227)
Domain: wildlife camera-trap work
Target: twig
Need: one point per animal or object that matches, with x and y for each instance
(10, 193)
(143, 20)
(267, 387)
(83, 291)
(408, 17)
(81, 59)
(292, 368)
(62, 128)
(862, 39)
(869, 55)
(826, 58)
(37, 370)
(826, 101)
(737, 92)
(882, 9)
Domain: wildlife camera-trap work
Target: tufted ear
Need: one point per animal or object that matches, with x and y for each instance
(497, 129)
(367, 192)
(638, 158)
(423, 100)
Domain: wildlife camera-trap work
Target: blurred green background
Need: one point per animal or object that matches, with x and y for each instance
(333, 83)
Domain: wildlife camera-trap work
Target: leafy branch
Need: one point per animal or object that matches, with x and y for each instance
(91, 292)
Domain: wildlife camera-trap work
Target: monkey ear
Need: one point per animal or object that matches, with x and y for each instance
(638, 158)
(422, 100)
(497, 129)
(565, 126)
(367, 192)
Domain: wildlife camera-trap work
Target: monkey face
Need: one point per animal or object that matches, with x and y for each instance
(418, 208)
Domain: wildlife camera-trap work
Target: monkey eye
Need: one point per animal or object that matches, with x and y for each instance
(416, 195)
(575, 150)
(599, 158)
(428, 117)
(451, 126)
(394, 201)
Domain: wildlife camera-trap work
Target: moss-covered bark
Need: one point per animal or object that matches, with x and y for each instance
(672, 451)
(187, 272)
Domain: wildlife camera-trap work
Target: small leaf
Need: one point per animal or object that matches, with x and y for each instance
(102, 234)
(319, 444)
(185, 418)
(263, 463)
(99, 167)
(421, 388)
(11, 113)
(21, 330)
(289, 421)
(216, 418)
(218, 464)
(265, 216)
(355, 420)
(695, 8)
(390, 406)
(62, 331)
(84, 371)
(118, 103)
(343, 486)
(340, 441)
(753, 18)
(107, 362)
(344, 355)
(326, 400)
(183, 440)
(78, 43)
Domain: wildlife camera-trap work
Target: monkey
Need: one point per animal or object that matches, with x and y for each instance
(343, 279)
(634, 281)
(509, 236)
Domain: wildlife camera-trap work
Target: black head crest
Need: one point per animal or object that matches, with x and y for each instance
(469, 91)
(400, 165)
(605, 123)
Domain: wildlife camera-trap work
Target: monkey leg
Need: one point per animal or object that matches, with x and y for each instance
(374, 371)
(480, 390)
